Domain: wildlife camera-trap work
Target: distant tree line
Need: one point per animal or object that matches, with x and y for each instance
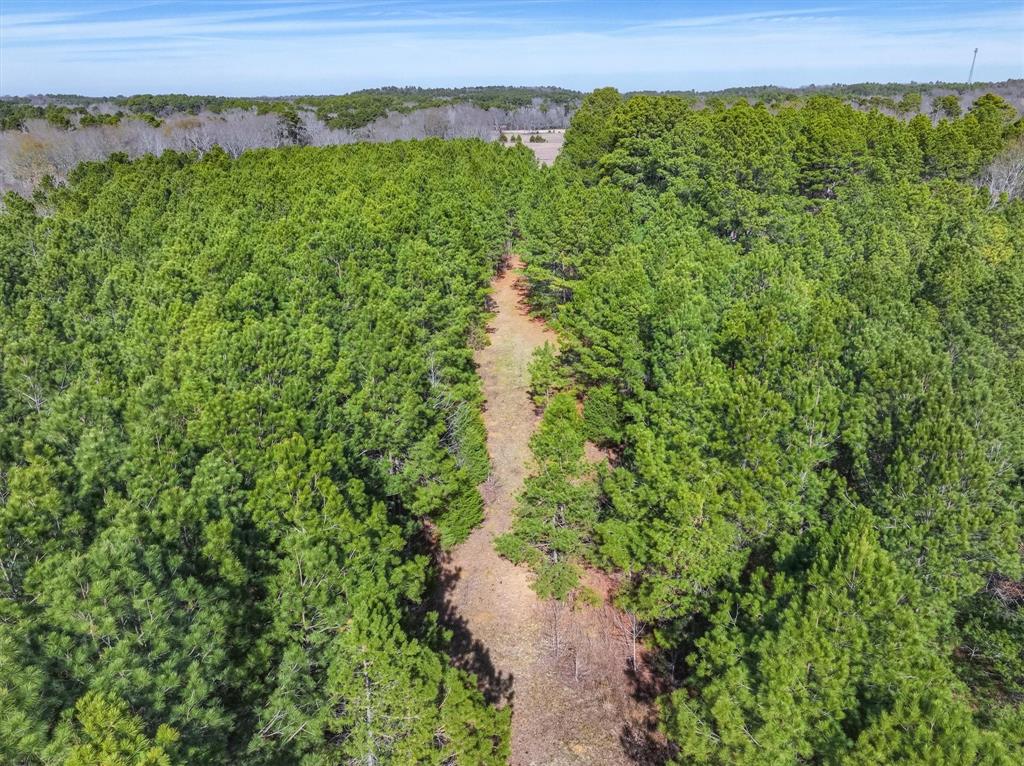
(59, 131)
(347, 111)
(857, 93)
(47, 140)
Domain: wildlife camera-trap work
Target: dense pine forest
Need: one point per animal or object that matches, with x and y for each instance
(239, 417)
(799, 335)
(232, 393)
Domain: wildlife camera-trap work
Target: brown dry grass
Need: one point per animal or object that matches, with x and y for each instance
(565, 671)
(545, 152)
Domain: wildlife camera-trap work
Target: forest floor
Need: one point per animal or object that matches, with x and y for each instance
(565, 671)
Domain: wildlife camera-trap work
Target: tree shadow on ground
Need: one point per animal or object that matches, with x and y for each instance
(644, 745)
(466, 652)
(641, 740)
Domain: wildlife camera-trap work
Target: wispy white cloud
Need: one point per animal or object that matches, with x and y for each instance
(266, 48)
(766, 15)
(67, 12)
(267, 20)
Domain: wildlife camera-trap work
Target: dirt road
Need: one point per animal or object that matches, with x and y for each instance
(563, 671)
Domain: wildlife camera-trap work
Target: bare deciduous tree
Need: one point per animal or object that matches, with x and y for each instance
(556, 617)
(42, 149)
(1006, 173)
(632, 628)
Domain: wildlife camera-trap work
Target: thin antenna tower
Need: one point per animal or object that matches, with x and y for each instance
(970, 77)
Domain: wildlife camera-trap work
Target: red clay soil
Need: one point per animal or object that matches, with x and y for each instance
(565, 671)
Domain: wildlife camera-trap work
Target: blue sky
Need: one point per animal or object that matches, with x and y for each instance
(274, 47)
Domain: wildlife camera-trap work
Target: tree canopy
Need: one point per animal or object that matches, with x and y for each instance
(799, 335)
(239, 415)
(232, 392)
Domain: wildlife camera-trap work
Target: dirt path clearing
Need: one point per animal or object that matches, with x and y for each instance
(545, 151)
(563, 671)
